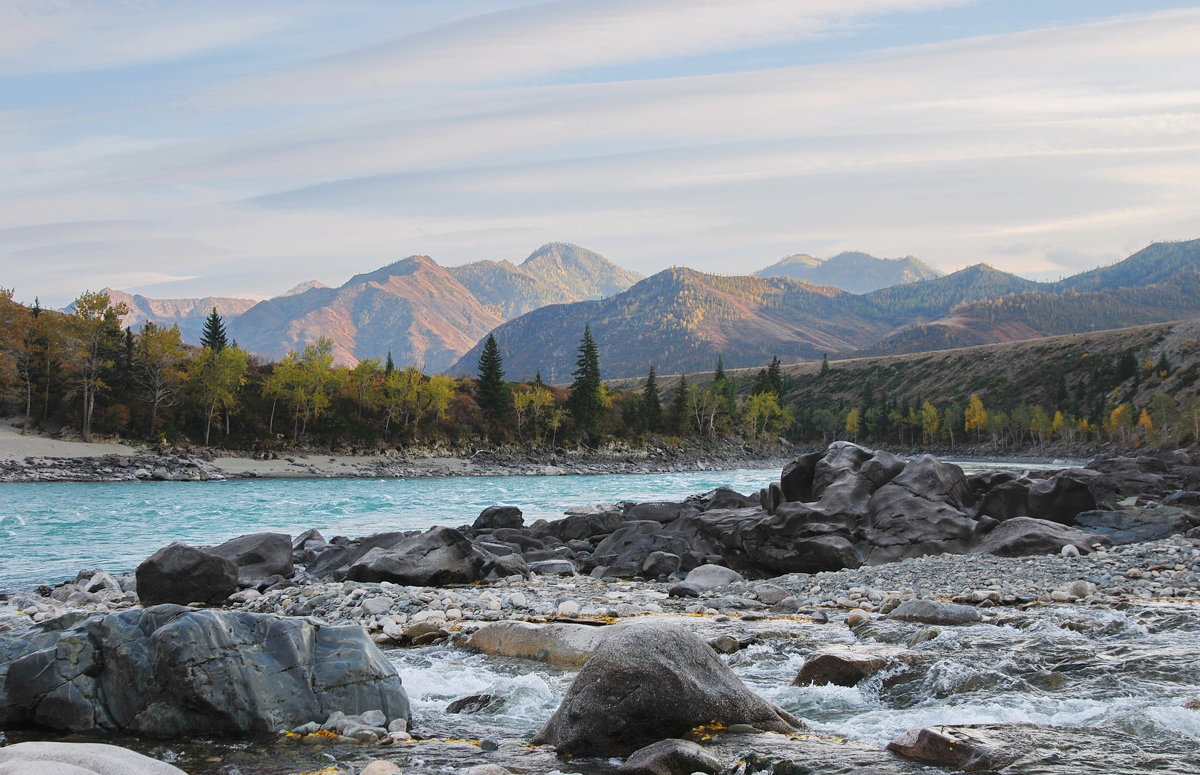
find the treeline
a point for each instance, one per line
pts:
(1128, 399)
(83, 370)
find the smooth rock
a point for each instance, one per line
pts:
(670, 757)
(934, 612)
(182, 574)
(47, 758)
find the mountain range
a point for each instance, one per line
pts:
(680, 319)
(851, 271)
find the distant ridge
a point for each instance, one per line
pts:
(851, 271)
(188, 314)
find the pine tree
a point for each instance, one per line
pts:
(724, 390)
(491, 394)
(824, 364)
(390, 366)
(537, 383)
(775, 377)
(213, 335)
(651, 402)
(587, 391)
(678, 416)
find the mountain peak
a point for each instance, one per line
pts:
(851, 271)
(304, 287)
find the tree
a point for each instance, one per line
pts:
(95, 337)
(158, 359)
(678, 416)
(824, 364)
(853, 422)
(725, 392)
(491, 393)
(975, 416)
(587, 399)
(212, 335)
(929, 421)
(765, 416)
(651, 403)
(215, 376)
(390, 366)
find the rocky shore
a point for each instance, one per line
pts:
(857, 563)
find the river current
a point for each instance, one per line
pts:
(1077, 689)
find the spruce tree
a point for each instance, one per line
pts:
(538, 383)
(723, 389)
(824, 364)
(775, 377)
(679, 413)
(491, 394)
(390, 366)
(213, 335)
(651, 403)
(587, 392)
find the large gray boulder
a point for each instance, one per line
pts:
(1060, 498)
(178, 573)
(670, 757)
(435, 558)
(46, 758)
(652, 681)
(258, 556)
(626, 550)
(1137, 524)
(494, 517)
(1025, 536)
(170, 671)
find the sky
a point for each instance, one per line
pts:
(188, 148)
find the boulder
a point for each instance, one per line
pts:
(724, 498)
(935, 480)
(1006, 500)
(934, 612)
(170, 671)
(706, 577)
(1060, 498)
(579, 525)
(558, 643)
(670, 757)
(258, 556)
(335, 559)
(494, 517)
(46, 758)
(660, 511)
(629, 546)
(796, 482)
(435, 558)
(840, 457)
(647, 682)
(964, 749)
(798, 538)
(1137, 524)
(660, 564)
(1026, 536)
(846, 665)
(183, 574)
(908, 523)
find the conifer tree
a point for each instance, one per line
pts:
(390, 366)
(678, 416)
(651, 402)
(213, 334)
(724, 391)
(587, 391)
(824, 364)
(537, 383)
(491, 394)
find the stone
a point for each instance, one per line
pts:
(258, 556)
(934, 612)
(170, 671)
(46, 758)
(183, 574)
(647, 682)
(796, 481)
(660, 512)
(706, 577)
(380, 767)
(1137, 524)
(486, 769)
(1060, 498)
(846, 665)
(770, 594)
(857, 617)
(569, 608)
(553, 568)
(725, 498)
(557, 643)
(670, 757)
(475, 703)
(494, 517)
(660, 565)
(1025, 536)
(435, 558)
(946, 746)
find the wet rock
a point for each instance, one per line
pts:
(934, 612)
(560, 643)
(475, 703)
(183, 574)
(437, 557)
(1025, 536)
(258, 556)
(1137, 524)
(846, 666)
(46, 758)
(647, 682)
(494, 517)
(947, 746)
(169, 671)
(670, 757)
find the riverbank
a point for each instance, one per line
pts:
(40, 458)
